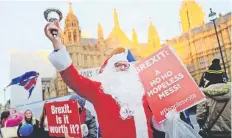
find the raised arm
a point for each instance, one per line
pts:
(63, 63)
(81, 85)
(13, 121)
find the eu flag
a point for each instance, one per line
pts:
(27, 80)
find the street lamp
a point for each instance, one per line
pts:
(43, 91)
(212, 17)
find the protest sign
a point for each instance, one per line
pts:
(167, 83)
(89, 73)
(63, 117)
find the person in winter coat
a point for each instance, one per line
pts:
(214, 114)
(43, 123)
(213, 75)
(7, 121)
(88, 121)
(30, 119)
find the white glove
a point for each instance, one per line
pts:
(156, 125)
(84, 130)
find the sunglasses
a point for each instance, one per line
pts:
(122, 65)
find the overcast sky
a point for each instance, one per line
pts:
(22, 22)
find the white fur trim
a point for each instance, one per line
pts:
(126, 51)
(117, 58)
(140, 122)
(156, 125)
(60, 59)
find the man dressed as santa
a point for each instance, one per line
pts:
(117, 95)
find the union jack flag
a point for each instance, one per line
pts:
(27, 80)
(29, 85)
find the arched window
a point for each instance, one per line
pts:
(69, 37)
(75, 36)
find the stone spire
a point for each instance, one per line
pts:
(116, 22)
(70, 8)
(153, 38)
(117, 37)
(191, 15)
(72, 33)
(135, 41)
(100, 34)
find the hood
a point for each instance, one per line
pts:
(79, 99)
(218, 92)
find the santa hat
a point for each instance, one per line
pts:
(119, 54)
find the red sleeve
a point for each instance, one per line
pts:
(83, 86)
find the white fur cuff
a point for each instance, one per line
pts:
(60, 59)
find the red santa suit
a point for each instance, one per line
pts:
(109, 113)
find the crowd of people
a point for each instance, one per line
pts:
(119, 100)
(29, 127)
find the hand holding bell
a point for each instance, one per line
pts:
(53, 15)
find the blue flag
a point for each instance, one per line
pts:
(27, 80)
(23, 78)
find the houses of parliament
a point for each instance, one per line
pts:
(197, 45)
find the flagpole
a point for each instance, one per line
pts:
(27, 100)
(4, 96)
(24, 105)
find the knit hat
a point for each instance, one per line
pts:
(215, 65)
(79, 99)
(119, 54)
(5, 114)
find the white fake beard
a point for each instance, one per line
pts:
(125, 87)
(127, 90)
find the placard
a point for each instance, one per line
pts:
(63, 117)
(167, 83)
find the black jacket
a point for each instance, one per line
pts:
(36, 131)
(211, 77)
(90, 121)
